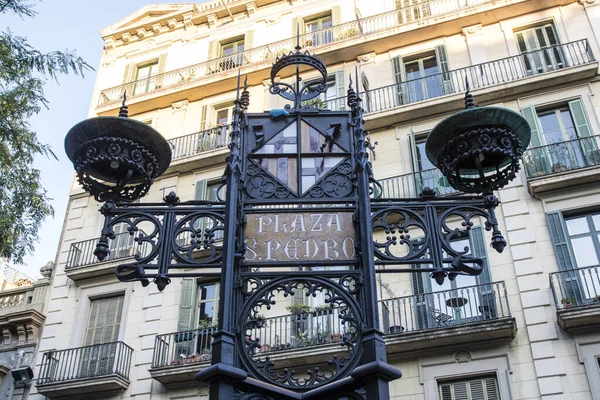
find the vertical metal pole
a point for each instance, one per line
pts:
(374, 373)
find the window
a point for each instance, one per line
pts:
(422, 77)
(207, 304)
(426, 174)
(230, 54)
(334, 97)
(564, 132)
(485, 388)
(460, 300)
(539, 46)
(103, 326)
(317, 32)
(145, 76)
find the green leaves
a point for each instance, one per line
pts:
(24, 203)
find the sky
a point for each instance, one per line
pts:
(60, 25)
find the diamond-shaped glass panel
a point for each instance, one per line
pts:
(285, 142)
(314, 141)
(285, 169)
(314, 168)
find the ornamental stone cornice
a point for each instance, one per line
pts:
(4, 370)
(180, 105)
(367, 58)
(212, 20)
(472, 30)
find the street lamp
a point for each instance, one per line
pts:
(298, 200)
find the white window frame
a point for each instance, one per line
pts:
(449, 370)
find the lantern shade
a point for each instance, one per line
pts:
(477, 118)
(117, 127)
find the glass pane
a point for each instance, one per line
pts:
(550, 127)
(541, 38)
(206, 312)
(551, 36)
(227, 49)
(312, 26)
(240, 47)
(596, 219)
(567, 121)
(422, 160)
(283, 142)
(412, 70)
(430, 66)
(326, 22)
(583, 248)
(208, 292)
(222, 117)
(577, 226)
(521, 43)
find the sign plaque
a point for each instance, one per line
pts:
(299, 236)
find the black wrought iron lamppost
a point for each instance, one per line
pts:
(298, 200)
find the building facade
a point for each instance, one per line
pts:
(526, 328)
(22, 315)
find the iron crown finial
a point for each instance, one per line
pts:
(469, 102)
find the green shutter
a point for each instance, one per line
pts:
(413, 191)
(536, 159)
(441, 56)
(398, 69)
(560, 240)
(340, 91)
(187, 304)
(249, 40)
(530, 116)
(130, 73)
(588, 144)
(336, 18)
(421, 284)
(200, 193)
(478, 249)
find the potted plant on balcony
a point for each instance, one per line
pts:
(323, 309)
(567, 301)
(299, 310)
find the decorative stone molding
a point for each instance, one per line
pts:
(156, 28)
(203, 391)
(150, 43)
(212, 20)
(4, 370)
(172, 23)
(32, 332)
(472, 30)
(366, 58)
(462, 357)
(22, 333)
(180, 105)
(187, 20)
(6, 336)
(142, 33)
(110, 43)
(587, 2)
(126, 37)
(251, 8)
(272, 20)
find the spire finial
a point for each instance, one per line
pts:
(469, 102)
(123, 110)
(351, 93)
(298, 37)
(245, 97)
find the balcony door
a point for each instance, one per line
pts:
(561, 139)
(145, 74)
(316, 30)
(101, 335)
(540, 48)
(231, 56)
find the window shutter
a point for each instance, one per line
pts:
(162, 62)
(340, 90)
(249, 40)
(203, 121)
(130, 73)
(418, 178)
(491, 388)
(200, 193)
(460, 391)
(446, 391)
(537, 161)
(560, 240)
(336, 18)
(530, 116)
(579, 118)
(186, 304)
(398, 69)
(478, 249)
(419, 282)
(441, 56)
(213, 49)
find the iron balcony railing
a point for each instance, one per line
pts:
(123, 246)
(311, 40)
(86, 362)
(445, 308)
(576, 287)
(183, 348)
(411, 185)
(491, 73)
(562, 156)
(199, 142)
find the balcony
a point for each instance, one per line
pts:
(101, 369)
(563, 164)
(82, 263)
(411, 185)
(576, 295)
(418, 22)
(447, 318)
(211, 144)
(178, 356)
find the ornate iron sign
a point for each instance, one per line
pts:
(299, 236)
